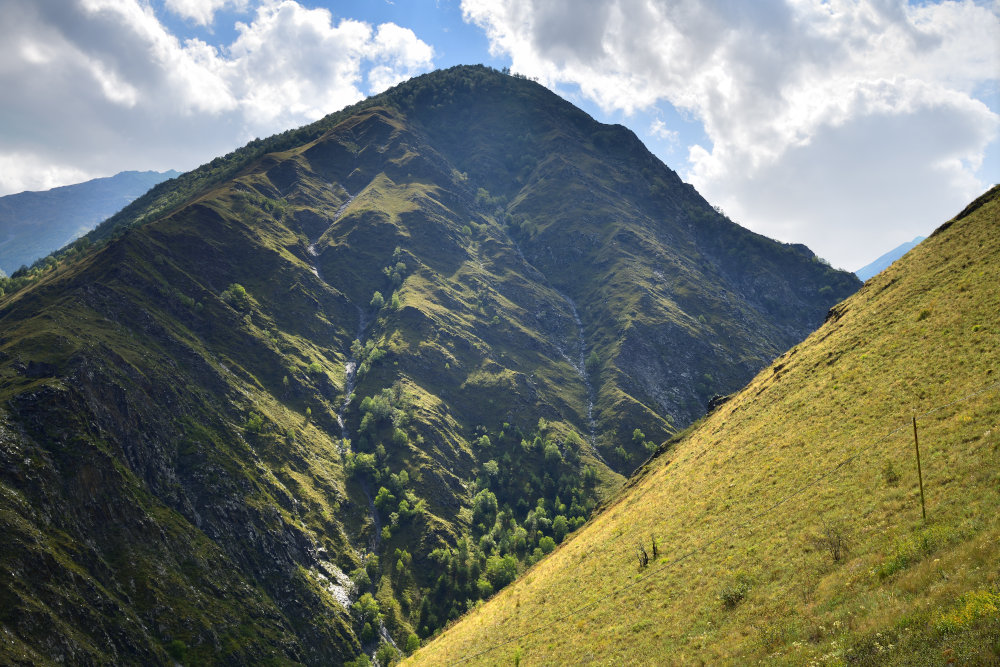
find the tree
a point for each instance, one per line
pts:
(377, 300)
(501, 570)
(236, 296)
(366, 610)
(484, 508)
(384, 500)
(560, 526)
(593, 362)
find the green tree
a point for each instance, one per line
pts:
(377, 300)
(236, 296)
(366, 610)
(560, 526)
(501, 570)
(484, 508)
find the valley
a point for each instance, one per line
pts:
(328, 394)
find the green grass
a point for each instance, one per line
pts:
(137, 361)
(752, 491)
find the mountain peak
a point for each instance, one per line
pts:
(361, 374)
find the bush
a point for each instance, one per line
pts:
(366, 610)
(255, 423)
(733, 592)
(177, 650)
(890, 474)
(386, 655)
(236, 296)
(833, 540)
(547, 544)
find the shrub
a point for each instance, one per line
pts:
(177, 650)
(484, 588)
(236, 296)
(547, 544)
(641, 555)
(255, 423)
(366, 610)
(386, 655)
(360, 578)
(890, 474)
(833, 540)
(734, 591)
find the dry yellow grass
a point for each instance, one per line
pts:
(820, 444)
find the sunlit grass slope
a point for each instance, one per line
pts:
(788, 522)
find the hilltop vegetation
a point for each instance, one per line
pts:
(324, 395)
(787, 522)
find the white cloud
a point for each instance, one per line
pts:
(100, 79)
(659, 129)
(399, 55)
(202, 12)
(783, 84)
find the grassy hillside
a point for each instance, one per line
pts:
(335, 390)
(788, 522)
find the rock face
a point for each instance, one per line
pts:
(415, 342)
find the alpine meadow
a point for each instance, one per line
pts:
(458, 374)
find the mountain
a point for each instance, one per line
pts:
(787, 523)
(880, 264)
(328, 392)
(33, 224)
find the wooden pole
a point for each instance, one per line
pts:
(920, 475)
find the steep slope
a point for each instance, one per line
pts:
(315, 399)
(33, 224)
(788, 522)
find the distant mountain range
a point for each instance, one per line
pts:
(33, 224)
(883, 262)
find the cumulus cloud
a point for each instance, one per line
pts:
(659, 129)
(99, 79)
(833, 120)
(202, 12)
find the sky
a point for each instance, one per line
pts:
(849, 125)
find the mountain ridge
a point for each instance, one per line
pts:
(355, 385)
(794, 531)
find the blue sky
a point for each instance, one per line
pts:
(848, 125)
